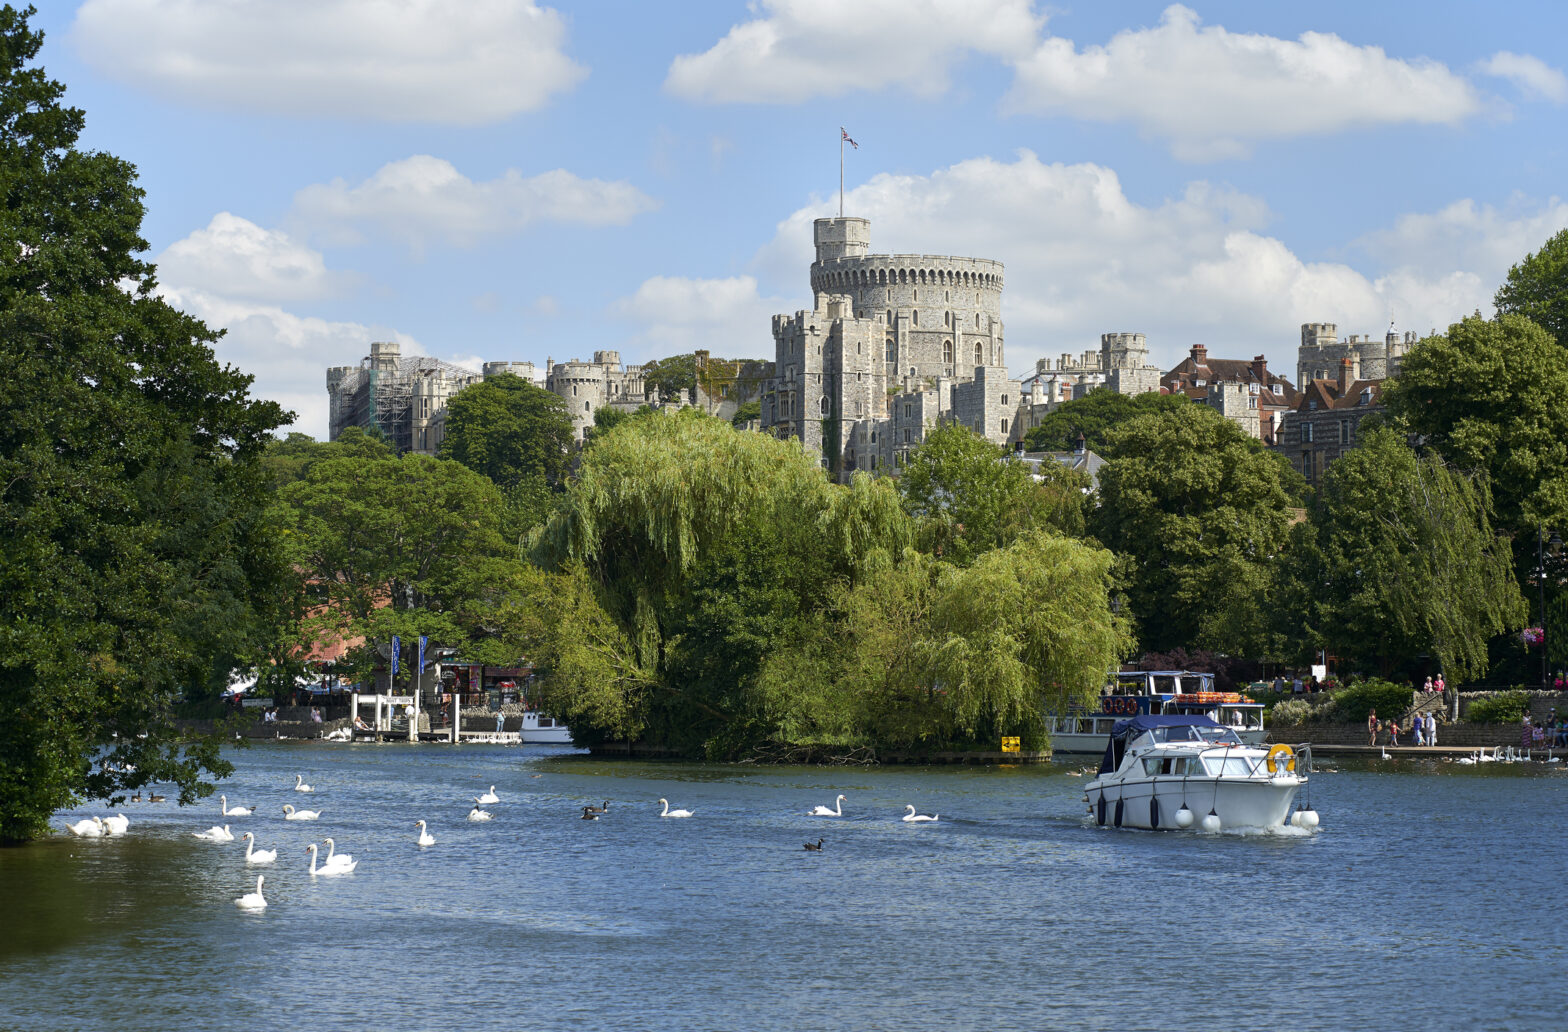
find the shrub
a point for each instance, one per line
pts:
(1289, 713)
(1353, 702)
(1498, 708)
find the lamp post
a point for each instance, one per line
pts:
(1541, 544)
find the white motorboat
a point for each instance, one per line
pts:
(1132, 692)
(539, 729)
(1177, 771)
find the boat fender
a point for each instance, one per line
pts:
(1100, 811)
(1154, 813)
(1281, 757)
(1118, 813)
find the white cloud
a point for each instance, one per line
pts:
(1535, 78)
(403, 61)
(799, 49)
(236, 258)
(421, 198)
(675, 314)
(1082, 258)
(1211, 94)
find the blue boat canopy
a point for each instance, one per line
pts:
(1123, 730)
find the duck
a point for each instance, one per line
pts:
(237, 811)
(814, 848)
(476, 814)
(599, 809)
(590, 813)
(489, 797)
(425, 838)
(257, 856)
(92, 827)
(216, 833)
(823, 811)
(253, 900)
(672, 813)
(299, 784)
(136, 798)
(335, 859)
(116, 825)
(291, 814)
(312, 849)
(915, 818)
(155, 798)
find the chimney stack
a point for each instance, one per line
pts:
(1345, 378)
(1260, 369)
(1200, 354)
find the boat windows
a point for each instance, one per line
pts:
(1228, 766)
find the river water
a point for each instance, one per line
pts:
(1429, 898)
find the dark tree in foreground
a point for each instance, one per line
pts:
(509, 430)
(132, 501)
(1537, 288)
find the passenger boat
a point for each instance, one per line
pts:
(1154, 692)
(539, 729)
(1163, 770)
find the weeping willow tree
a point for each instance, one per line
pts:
(709, 549)
(1408, 562)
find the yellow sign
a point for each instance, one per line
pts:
(1010, 744)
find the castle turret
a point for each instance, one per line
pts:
(841, 238)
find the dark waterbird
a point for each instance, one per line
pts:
(816, 848)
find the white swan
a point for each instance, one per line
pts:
(425, 838)
(291, 814)
(253, 900)
(915, 818)
(238, 811)
(488, 797)
(823, 811)
(215, 833)
(257, 856)
(92, 827)
(333, 859)
(476, 814)
(329, 868)
(299, 784)
(1386, 756)
(116, 825)
(673, 813)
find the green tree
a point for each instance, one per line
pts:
(1410, 564)
(970, 498)
(1096, 415)
(509, 430)
(133, 508)
(1537, 288)
(289, 458)
(746, 412)
(1198, 511)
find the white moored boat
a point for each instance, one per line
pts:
(542, 730)
(1132, 692)
(1179, 771)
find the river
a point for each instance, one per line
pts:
(1428, 899)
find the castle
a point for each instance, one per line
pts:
(1321, 353)
(892, 345)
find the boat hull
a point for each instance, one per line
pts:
(1239, 802)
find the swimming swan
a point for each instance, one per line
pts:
(329, 868)
(914, 818)
(257, 856)
(489, 797)
(425, 838)
(117, 825)
(333, 860)
(299, 784)
(476, 814)
(291, 814)
(215, 834)
(673, 813)
(253, 900)
(823, 811)
(89, 828)
(238, 811)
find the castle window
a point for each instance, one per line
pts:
(587, 406)
(979, 355)
(977, 314)
(574, 390)
(890, 356)
(947, 352)
(873, 462)
(890, 317)
(949, 295)
(1312, 404)
(1004, 427)
(914, 317)
(906, 436)
(917, 294)
(1366, 396)
(1004, 400)
(908, 410)
(1306, 433)
(827, 406)
(873, 437)
(860, 408)
(1344, 431)
(1252, 403)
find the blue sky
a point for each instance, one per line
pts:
(504, 179)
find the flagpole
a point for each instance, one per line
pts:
(841, 173)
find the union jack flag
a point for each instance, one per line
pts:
(844, 133)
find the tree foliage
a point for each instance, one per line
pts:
(1096, 415)
(138, 559)
(1408, 562)
(1537, 288)
(509, 430)
(1199, 512)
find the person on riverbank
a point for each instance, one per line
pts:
(1418, 729)
(1431, 729)
(1438, 685)
(1393, 732)
(500, 721)
(1524, 731)
(1372, 727)
(1427, 687)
